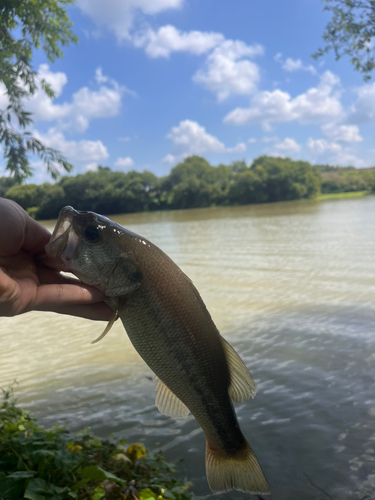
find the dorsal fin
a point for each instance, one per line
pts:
(168, 403)
(242, 386)
(107, 328)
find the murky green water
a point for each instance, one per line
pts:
(292, 287)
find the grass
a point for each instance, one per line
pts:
(55, 464)
(336, 196)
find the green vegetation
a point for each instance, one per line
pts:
(351, 32)
(337, 196)
(192, 183)
(26, 26)
(55, 464)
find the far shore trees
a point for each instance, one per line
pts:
(193, 183)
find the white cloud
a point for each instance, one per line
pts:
(239, 148)
(82, 152)
(86, 103)
(292, 65)
(124, 162)
(343, 133)
(252, 140)
(189, 138)
(333, 153)
(288, 145)
(320, 146)
(228, 71)
(169, 39)
(40, 104)
(315, 105)
(169, 159)
(363, 111)
(118, 15)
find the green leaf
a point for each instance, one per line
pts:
(147, 494)
(168, 494)
(21, 475)
(96, 473)
(97, 494)
(35, 489)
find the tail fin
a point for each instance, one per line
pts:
(239, 472)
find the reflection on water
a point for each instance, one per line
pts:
(292, 287)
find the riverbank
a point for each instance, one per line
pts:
(38, 464)
(339, 196)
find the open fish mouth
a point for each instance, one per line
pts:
(63, 243)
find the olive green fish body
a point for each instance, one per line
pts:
(170, 327)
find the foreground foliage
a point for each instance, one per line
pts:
(351, 32)
(40, 464)
(27, 26)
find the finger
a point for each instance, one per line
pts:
(98, 312)
(48, 276)
(54, 296)
(20, 230)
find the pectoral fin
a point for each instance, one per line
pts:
(107, 328)
(168, 403)
(242, 386)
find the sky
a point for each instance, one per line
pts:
(153, 81)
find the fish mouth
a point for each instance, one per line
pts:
(63, 243)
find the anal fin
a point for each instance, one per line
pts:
(168, 403)
(242, 386)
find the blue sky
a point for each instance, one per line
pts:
(152, 81)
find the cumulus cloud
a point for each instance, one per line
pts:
(170, 159)
(320, 146)
(288, 145)
(118, 15)
(86, 103)
(333, 153)
(363, 110)
(124, 162)
(228, 71)
(189, 138)
(169, 39)
(292, 65)
(84, 152)
(42, 107)
(315, 105)
(342, 133)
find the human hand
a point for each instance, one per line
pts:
(27, 285)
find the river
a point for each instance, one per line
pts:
(292, 287)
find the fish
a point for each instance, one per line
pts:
(197, 370)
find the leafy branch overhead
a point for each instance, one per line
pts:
(25, 26)
(351, 32)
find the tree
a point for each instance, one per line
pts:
(351, 32)
(25, 26)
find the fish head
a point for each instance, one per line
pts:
(96, 250)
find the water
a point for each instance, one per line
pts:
(292, 287)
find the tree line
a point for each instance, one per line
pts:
(193, 183)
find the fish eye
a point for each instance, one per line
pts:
(91, 233)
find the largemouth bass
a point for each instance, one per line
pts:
(170, 327)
